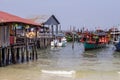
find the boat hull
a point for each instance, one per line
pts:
(117, 47)
(56, 43)
(89, 46)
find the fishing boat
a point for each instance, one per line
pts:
(115, 34)
(59, 42)
(93, 40)
(117, 45)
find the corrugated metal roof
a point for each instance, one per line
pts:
(43, 18)
(6, 17)
(40, 18)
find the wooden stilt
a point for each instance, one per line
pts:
(18, 55)
(27, 54)
(36, 55)
(12, 54)
(38, 44)
(44, 43)
(22, 55)
(3, 57)
(12, 57)
(9, 52)
(0, 57)
(32, 52)
(15, 55)
(7, 56)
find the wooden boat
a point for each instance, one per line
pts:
(94, 40)
(88, 45)
(117, 45)
(115, 34)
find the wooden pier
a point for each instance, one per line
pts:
(43, 41)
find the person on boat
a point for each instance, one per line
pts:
(97, 40)
(84, 39)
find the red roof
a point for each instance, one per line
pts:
(6, 17)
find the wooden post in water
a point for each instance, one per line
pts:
(35, 44)
(18, 54)
(9, 50)
(12, 57)
(36, 55)
(26, 46)
(0, 57)
(73, 36)
(40, 42)
(73, 41)
(15, 55)
(3, 56)
(32, 52)
(22, 54)
(44, 42)
(7, 56)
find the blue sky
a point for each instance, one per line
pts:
(77, 13)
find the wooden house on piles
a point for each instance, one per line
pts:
(11, 49)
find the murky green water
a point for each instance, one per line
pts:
(67, 64)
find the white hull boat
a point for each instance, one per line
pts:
(57, 43)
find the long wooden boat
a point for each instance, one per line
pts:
(94, 40)
(89, 46)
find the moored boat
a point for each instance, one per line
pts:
(59, 42)
(117, 45)
(94, 40)
(88, 45)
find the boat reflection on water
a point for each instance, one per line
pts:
(92, 53)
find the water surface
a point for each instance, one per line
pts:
(58, 63)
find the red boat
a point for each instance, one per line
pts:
(93, 40)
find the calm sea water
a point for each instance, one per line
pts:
(65, 63)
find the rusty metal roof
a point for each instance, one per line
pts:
(6, 18)
(43, 18)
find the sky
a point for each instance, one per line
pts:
(90, 14)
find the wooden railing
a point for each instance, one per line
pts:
(44, 35)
